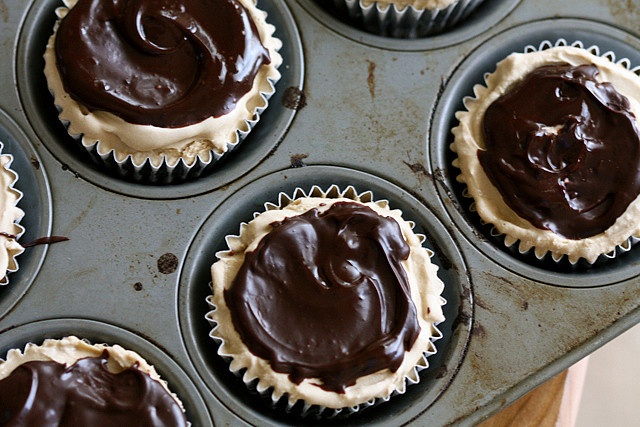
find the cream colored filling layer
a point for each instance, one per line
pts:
(489, 203)
(417, 4)
(426, 289)
(155, 143)
(10, 215)
(70, 349)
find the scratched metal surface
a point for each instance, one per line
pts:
(377, 115)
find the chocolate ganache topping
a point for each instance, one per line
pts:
(162, 63)
(324, 295)
(47, 393)
(563, 150)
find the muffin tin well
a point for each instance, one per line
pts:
(470, 72)
(35, 202)
(487, 14)
(225, 221)
(352, 109)
(264, 138)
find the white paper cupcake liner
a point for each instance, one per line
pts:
(147, 169)
(264, 388)
(11, 245)
(529, 250)
(520, 248)
(408, 22)
(165, 173)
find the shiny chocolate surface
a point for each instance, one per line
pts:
(164, 63)
(47, 393)
(563, 150)
(324, 295)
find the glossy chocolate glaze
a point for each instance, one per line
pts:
(44, 241)
(162, 63)
(39, 241)
(46, 393)
(324, 295)
(8, 235)
(563, 150)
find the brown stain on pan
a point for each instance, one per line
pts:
(167, 263)
(417, 168)
(294, 98)
(4, 11)
(297, 160)
(625, 12)
(440, 180)
(478, 330)
(371, 78)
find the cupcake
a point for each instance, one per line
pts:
(407, 18)
(160, 91)
(69, 382)
(549, 150)
(10, 229)
(327, 299)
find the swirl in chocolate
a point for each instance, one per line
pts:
(161, 63)
(325, 296)
(563, 150)
(46, 393)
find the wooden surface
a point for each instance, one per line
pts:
(553, 404)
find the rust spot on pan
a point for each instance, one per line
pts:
(478, 330)
(371, 79)
(297, 160)
(417, 168)
(167, 263)
(478, 301)
(294, 99)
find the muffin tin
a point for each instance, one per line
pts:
(352, 108)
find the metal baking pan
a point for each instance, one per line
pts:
(351, 109)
